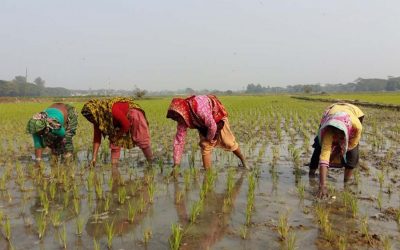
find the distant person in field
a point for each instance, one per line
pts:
(336, 144)
(206, 114)
(54, 128)
(123, 121)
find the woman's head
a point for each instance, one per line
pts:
(179, 111)
(36, 126)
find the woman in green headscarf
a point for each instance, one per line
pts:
(54, 128)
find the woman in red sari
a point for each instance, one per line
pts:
(206, 114)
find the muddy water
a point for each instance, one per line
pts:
(218, 226)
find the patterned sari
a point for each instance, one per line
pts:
(99, 112)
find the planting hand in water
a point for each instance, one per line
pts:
(209, 117)
(123, 121)
(336, 144)
(54, 128)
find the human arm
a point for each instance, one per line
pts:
(354, 140)
(179, 143)
(326, 149)
(96, 142)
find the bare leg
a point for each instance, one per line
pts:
(239, 154)
(206, 161)
(348, 172)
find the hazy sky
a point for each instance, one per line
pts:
(172, 44)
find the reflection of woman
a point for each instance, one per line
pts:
(337, 142)
(54, 128)
(123, 121)
(119, 213)
(213, 220)
(209, 117)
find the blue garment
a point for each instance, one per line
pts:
(57, 115)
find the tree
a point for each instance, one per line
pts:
(139, 93)
(39, 82)
(19, 79)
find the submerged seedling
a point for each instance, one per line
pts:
(79, 225)
(291, 241)
(244, 231)
(151, 189)
(7, 229)
(131, 213)
(42, 225)
(283, 226)
(121, 195)
(301, 190)
(195, 210)
(176, 237)
(110, 234)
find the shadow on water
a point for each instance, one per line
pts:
(212, 223)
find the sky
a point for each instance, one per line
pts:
(213, 44)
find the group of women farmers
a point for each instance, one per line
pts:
(124, 123)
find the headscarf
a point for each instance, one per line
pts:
(180, 107)
(187, 109)
(341, 121)
(41, 121)
(99, 112)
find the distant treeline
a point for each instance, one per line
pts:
(359, 85)
(20, 87)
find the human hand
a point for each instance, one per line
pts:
(92, 163)
(322, 192)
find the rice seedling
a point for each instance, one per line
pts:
(387, 244)
(56, 218)
(365, 228)
(147, 234)
(151, 189)
(342, 243)
(107, 203)
(131, 213)
(7, 229)
(66, 199)
(110, 183)
(379, 201)
(96, 244)
(62, 237)
(301, 190)
(291, 241)
(354, 206)
(99, 190)
(52, 190)
(397, 216)
(77, 206)
(283, 226)
(42, 225)
(79, 225)
(121, 195)
(244, 232)
(141, 205)
(381, 178)
(178, 197)
(195, 210)
(176, 237)
(110, 234)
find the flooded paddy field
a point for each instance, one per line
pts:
(273, 206)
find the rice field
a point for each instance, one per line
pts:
(373, 97)
(273, 206)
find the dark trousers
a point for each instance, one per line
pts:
(352, 156)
